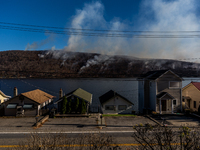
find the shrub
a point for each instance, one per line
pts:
(77, 105)
(69, 106)
(83, 107)
(64, 105)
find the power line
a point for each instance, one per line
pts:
(69, 28)
(99, 33)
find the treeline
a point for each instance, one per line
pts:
(51, 64)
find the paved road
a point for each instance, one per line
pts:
(15, 138)
(15, 130)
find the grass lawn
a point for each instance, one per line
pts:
(118, 115)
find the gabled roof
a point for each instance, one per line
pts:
(82, 94)
(195, 84)
(4, 95)
(163, 94)
(153, 75)
(37, 96)
(79, 93)
(110, 94)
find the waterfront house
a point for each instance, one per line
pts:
(160, 91)
(79, 96)
(112, 102)
(191, 96)
(28, 104)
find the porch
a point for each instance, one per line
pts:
(165, 103)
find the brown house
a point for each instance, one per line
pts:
(28, 103)
(191, 96)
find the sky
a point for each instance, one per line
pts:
(103, 17)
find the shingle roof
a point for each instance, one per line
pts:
(153, 75)
(197, 85)
(110, 94)
(82, 94)
(37, 96)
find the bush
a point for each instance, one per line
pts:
(77, 105)
(166, 138)
(83, 107)
(60, 141)
(64, 105)
(69, 109)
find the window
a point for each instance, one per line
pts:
(122, 107)
(11, 106)
(174, 102)
(174, 84)
(109, 107)
(195, 105)
(28, 106)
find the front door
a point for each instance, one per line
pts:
(188, 103)
(163, 103)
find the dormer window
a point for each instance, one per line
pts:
(174, 84)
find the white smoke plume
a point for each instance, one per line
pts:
(176, 15)
(157, 15)
(96, 60)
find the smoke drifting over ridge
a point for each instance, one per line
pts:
(157, 15)
(175, 15)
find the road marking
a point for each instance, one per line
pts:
(85, 145)
(75, 132)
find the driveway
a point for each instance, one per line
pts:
(177, 120)
(69, 124)
(12, 124)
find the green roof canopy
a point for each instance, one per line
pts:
(82, 94)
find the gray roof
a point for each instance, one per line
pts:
(110, 94)
(153, 75)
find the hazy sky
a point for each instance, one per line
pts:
(109, 15)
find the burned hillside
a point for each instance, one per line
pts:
(59, 64)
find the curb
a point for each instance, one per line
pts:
(41, 121)
(154, 120)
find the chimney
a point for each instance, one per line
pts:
(60, 93)
(15, 92)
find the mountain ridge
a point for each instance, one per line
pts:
(61, 64)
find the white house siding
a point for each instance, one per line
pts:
(152, 95)
(116, 102)
(140, 95)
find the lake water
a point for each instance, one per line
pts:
(127, 87)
